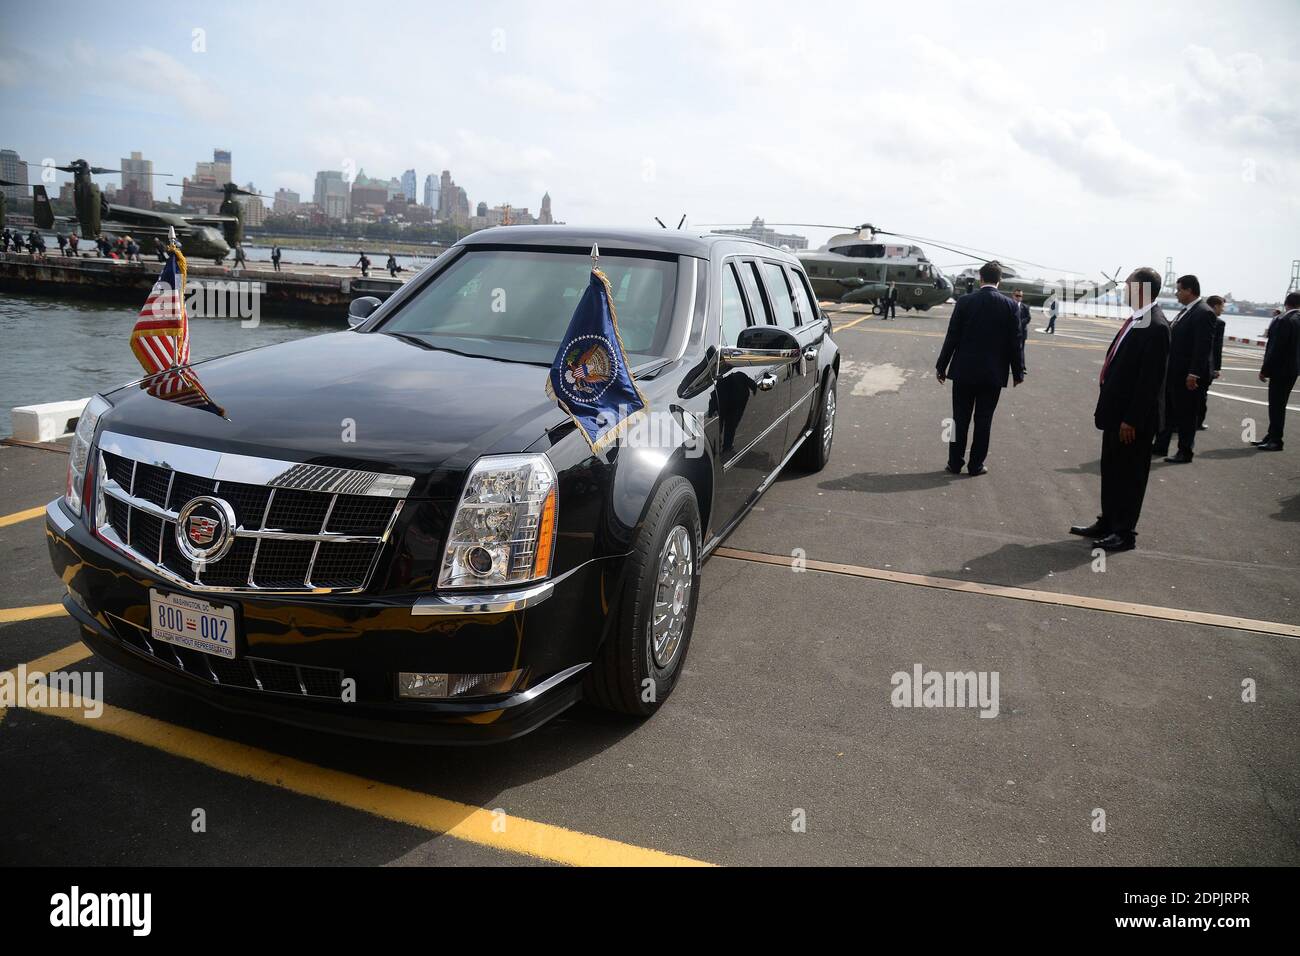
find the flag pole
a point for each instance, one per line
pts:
(595, 256)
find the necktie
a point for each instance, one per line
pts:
(1113, 349)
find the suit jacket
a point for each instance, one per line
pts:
(1282, 353)
(1132, 390)
(891, 295)
(983, 342)
(1024, 331)
(1191, 344)
(1220, 327)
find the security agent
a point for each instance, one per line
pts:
(1023, 314)
(1216, 303)
(1191, 348)
(1128, 413)
(981, 348)
(1280, 369)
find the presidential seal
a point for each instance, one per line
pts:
(589, 367)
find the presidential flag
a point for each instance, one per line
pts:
(590, 378)
(161, 337)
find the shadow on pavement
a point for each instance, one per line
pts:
(888, 484)
(1018, 564)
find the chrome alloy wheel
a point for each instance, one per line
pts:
(672, 603)
(828, 421)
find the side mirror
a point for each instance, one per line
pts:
(360, 309)
(762, 345)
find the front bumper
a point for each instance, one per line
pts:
(552, 632)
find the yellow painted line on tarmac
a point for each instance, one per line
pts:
(17, 516)
(12, 615)
(399, 804)
(55, 661)
(1024, 594)
(849, 325)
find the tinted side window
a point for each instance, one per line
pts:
(782, 300)
(757, 301)
(734, 316)
(807, 313)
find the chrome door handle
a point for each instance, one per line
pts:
(767, 382)
(810, 352)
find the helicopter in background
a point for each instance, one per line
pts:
(198, 236)
(230, 213)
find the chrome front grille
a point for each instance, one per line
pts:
(298, 528)
(249, 673)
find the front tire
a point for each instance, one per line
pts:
(816, 450)
(639, 663)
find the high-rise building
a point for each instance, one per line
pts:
(408, 184)
(331, 195)
(286, 202)
(13, 169)
(431, 192)
(453, 203)
(137, 182)
(544, 217)
(203, 191)
(254, 208)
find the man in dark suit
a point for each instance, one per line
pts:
(1022, 312)
(889, 302)
(1191, 348)
(982, 346)
(1128, 413)
(1280, 368)
(1216, 303)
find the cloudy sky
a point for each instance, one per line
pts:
(1086, 140)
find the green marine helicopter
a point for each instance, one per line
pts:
(231, 211)
(198, 236)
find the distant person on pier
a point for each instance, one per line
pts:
(1216, 303)
(1281, 368)
(72, 245)
(981, 348)
(1128, 413)
(889, 303)
(1053, 310)
(63, 243)
(275, 257)
(364, 263)
(392, 266)
(1191, 357)
(240, 261)
(132, 250)
(1022, 313)
(4, 240)
(160, 248)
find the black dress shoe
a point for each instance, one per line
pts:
(1270, 446)
(1202, 428)
(1182, 458)
(951, 470)
(1094, 530)
(1114, 542)
(983, 470)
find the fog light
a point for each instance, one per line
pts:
(444, 686)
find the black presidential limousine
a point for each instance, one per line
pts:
(391, 531)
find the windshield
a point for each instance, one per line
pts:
(514, 304)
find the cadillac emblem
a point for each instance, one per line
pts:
(205, 529)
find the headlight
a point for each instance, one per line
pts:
(79, 453)
(503, 531)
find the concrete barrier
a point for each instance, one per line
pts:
(46, 422)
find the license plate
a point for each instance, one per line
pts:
(193, 623)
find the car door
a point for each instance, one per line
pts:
(752, 399)
(811, 335)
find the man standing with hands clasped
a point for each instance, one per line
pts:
(1280, 368)
(1128, 413)
(1191, 348)
(982, 346)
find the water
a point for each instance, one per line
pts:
(55, 349)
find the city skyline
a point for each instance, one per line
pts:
(1081, 141)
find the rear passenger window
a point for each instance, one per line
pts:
(757, 301)
(807, 314)
(782, 300)
(734, 317)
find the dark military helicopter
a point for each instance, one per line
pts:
(198, 236)
(231, 211)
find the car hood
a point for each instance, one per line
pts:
(360, 400)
